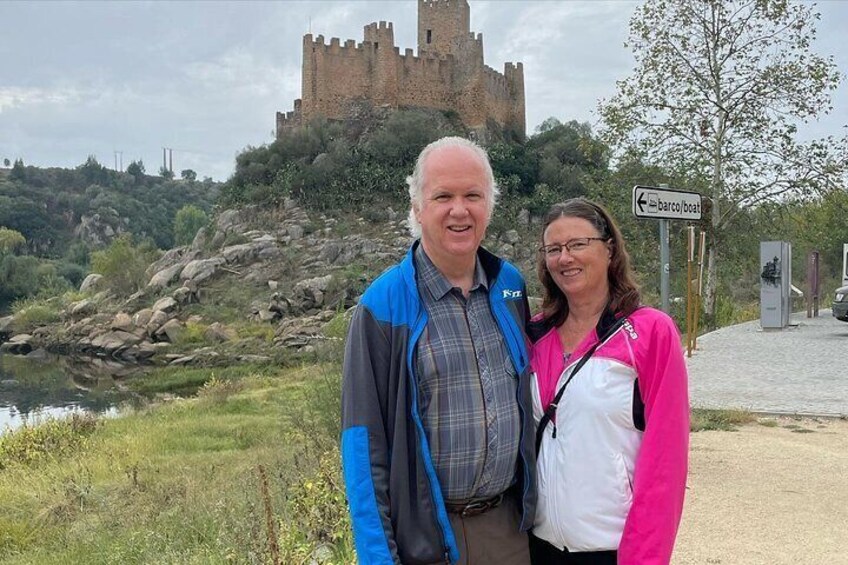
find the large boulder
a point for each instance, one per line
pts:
(183, 295)
(6, 325)
(91, 282)
(20, 344)
(243, 253)
(157, 320)
(84, 307)
(201, 269)
(165, 304)
(219, 332)
(310, 293)
(122, 322)
(166, 276)
(227, 220)
(140, 352)
(171, 331)
(142, 317)
(98, 230)
(113, 341)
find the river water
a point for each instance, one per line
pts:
(34, 389)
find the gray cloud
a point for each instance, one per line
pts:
(206, 78)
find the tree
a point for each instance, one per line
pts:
(93, 172)
(6, 162)
(166, 173)
(136, 169)
(188, 220)
(10, 240)
(188, 174)
(18, 170)
(717, 95)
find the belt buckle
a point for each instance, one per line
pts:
(481, 506)
(474, 508)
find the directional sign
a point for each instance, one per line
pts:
(666, 203)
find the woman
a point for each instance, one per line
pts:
(612, 459)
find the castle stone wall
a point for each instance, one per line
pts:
(448, 73)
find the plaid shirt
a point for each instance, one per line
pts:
(467, 387)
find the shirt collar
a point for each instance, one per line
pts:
(435, 282)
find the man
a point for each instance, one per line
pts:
(437, 440)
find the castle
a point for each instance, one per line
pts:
(447, 74)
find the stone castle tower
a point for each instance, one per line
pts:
(448, 73)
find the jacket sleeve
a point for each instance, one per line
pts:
(365, 449)
(659, 481)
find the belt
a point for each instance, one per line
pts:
(474, 507)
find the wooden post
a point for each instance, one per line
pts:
(701, 250)
(689, 293)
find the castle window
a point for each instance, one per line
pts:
(376, 45)
(429, 36)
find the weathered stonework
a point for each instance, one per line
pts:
(447, 74)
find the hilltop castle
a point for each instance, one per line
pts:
(447, 74)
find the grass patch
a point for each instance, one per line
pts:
(52, 438)
(768, 423)
(192, 335)
(32, 313)
(262, 332)
(720, 420)
(186, 381)
(246, 472)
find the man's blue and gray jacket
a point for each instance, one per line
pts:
(396, 504)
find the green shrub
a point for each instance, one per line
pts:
(123, 264)
(318, 516)
(192, 334)
(219, 390)
(188, 220)
(32, 313)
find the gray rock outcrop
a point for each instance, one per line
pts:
(91, 283)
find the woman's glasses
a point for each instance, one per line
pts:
(572, 246)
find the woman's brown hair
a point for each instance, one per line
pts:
(624, 292)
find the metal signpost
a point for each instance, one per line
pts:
(663, 203)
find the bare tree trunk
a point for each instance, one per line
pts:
(710, 286)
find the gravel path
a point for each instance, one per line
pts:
(801, 369)
(772, 495)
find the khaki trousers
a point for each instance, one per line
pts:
(492, 538)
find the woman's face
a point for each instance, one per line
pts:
(581, 271)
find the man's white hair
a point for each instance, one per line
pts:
(416, 180)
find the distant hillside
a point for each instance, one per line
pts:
(54, 208)
(64, 215)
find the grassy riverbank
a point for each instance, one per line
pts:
(246, 471)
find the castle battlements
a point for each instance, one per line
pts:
(448, 73)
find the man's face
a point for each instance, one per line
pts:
(454, 213)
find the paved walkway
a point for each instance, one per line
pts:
(801, 369)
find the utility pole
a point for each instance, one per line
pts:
(168, 159)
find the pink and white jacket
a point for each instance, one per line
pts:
(613, 461)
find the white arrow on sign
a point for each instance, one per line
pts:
(666, 203)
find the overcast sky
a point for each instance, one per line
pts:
(206, 78)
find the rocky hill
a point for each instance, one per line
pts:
(260, 285)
